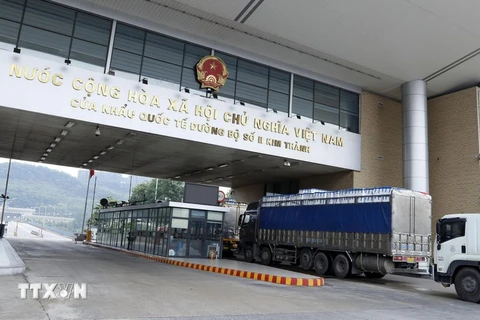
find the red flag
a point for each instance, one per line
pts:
(92, 172)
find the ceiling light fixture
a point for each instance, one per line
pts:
(52, 145)
(45, 154)
(49, 150)
(69, 124)
(208, 181)
(229, 177)
(177, 177)
(209, 169)
(111, 147)
(97, 132)
(57, 139)
(42, 158)
(103, 152)
(96, 157)
(223, 165)
(64, 132)
(84, 164)
(90, 161)
(119, 142)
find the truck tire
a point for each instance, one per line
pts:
(248, 254)
(373, 275)
(341, 266)
(266, 256)
(306, 259)
(467, 284)
(321, 263)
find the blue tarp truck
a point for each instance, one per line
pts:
(374, 231)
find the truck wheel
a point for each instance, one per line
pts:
(341, 266)
(266, 256)
(321, 263)
(248, 254)
(467, 284)
(373, 275)
(306, 259)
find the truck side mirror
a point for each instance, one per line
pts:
(439, 246)
(240, 218)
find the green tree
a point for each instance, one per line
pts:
(149, 191)
(93, 220)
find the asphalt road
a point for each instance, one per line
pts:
(24, 231)
(121, 286)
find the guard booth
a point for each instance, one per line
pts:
(169, 229)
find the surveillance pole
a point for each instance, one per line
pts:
(5, 196)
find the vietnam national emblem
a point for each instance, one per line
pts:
(212, 72)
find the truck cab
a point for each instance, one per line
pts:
(247, 224)
(457, 254)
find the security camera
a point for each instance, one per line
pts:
(97, 132)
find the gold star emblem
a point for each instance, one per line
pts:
(213, 66)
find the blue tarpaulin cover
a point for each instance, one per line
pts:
(358, 217)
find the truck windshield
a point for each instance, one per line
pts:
(450, 229)
(248, 218)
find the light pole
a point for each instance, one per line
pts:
(5, 194)
(5, 198)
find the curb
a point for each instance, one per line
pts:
(301, 282)
(16, 264)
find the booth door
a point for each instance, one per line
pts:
(196, 246)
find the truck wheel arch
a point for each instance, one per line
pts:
(458, 265)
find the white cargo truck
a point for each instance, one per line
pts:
(457, 254)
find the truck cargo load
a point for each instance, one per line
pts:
(373, 230)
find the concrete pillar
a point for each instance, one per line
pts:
(415, 136)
